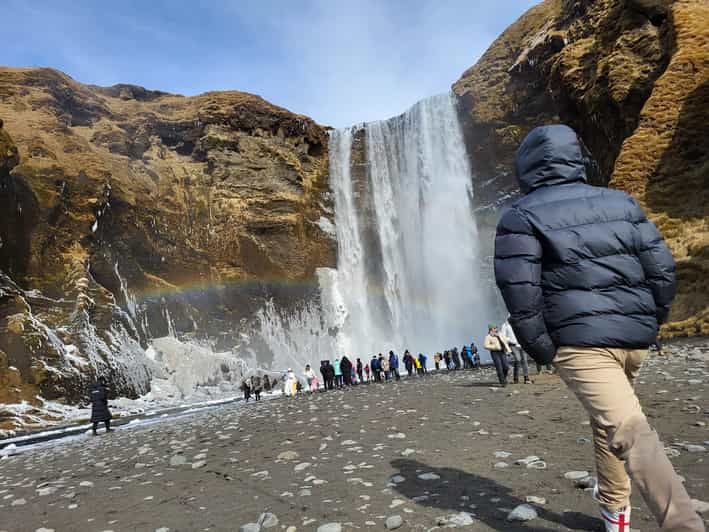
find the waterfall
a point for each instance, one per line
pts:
(407, 270)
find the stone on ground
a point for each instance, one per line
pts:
(523, 512)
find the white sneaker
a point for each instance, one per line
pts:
(614, 521)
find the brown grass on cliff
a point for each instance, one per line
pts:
(665, 163)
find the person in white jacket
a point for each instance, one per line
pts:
(497, 345)
(520, 357)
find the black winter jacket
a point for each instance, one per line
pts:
(99, 403)
(578, 265)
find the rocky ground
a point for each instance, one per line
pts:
(445, 450)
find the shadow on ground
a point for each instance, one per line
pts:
(445, 494)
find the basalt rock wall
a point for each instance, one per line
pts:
(129, 214)
(632, 77)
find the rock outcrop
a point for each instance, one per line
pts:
(128, 213)
(632, 77)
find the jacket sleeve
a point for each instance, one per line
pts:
(658, 265)
(518, 272)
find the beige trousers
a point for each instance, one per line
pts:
(625, 444)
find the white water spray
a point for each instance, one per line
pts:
(408, 268)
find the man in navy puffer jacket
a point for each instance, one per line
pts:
(587, 280)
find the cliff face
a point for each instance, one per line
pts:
(632, 77)
(128, 213)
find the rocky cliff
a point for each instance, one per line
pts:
(632, 77)
(129, 213)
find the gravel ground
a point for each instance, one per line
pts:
(421, 454)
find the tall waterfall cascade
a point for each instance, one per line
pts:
(408, 269)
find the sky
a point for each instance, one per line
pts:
(338, 61)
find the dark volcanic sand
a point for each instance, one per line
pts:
(452, 425)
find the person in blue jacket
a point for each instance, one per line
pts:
(422, 359)
(338, 373)
(588, 280)
(394, 365)
(376, 369)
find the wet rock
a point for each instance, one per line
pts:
(459, 519)
(393, 522)
(428, 476)
(268, 520)
(330, 527)
(523, 512)
(527, 460)
(538, 464)
(397, 479)
(288, 455)
(691, 448)
(576, 475)
(178, 460)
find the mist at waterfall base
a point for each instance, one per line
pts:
(408, 271)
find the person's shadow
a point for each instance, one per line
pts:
(446, 494)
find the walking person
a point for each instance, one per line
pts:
(476, 355)
(346, 368)
(99, 406)
(394, 365)
(360, 370)
(325, 372)
(384, 364)
(588, 280)
(497, 347)
(520, 357)
(338, 373)
(246, 389)
(311, 379)
(456, 358)
(256, 387)
(376, 369)
(408, 362)
(422, 362)
(417, 364)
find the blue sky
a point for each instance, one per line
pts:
(338, 61)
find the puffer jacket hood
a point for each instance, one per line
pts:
(550, 155)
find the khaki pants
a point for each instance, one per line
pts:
(625, 444)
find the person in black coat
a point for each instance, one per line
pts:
(99, 405)
(588, 279)
(360, 371)
(346, 368)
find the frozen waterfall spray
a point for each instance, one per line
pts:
(408, 270)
